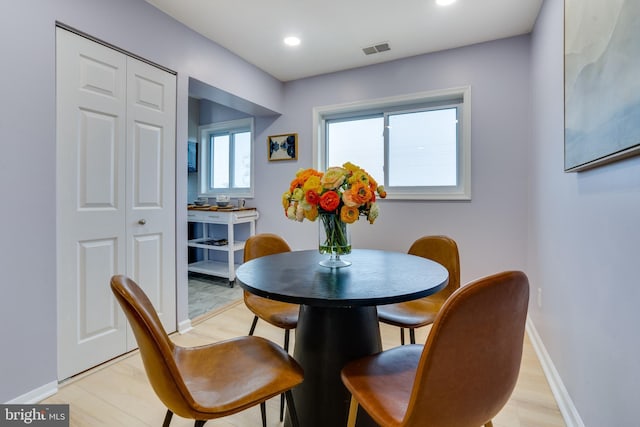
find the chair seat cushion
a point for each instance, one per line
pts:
(281, 314)
(384, 382)
(229, 376)
(411, 314)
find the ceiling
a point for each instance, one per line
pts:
(334, 32)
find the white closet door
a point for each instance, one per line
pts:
(96, 233)
(151, 181)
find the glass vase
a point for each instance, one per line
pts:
(334, 239)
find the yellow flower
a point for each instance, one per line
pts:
(333, 178)
(349, 214)
(359, 176)
(298, 194)
(351, 167)
(312, 184)
(285, 199)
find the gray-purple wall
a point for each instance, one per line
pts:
(490, 229)
(583, 251)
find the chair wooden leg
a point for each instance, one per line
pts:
(263, 413)
(286, 348)
(412, 335)
(353, 412)
(401, 336)
(489, 424)
(253, 325)
(199, 423)
(167, 418)
(292, 409)
(281, 407)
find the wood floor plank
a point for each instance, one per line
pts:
(119, 394)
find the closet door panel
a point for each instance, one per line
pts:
(151, 186)
(147, 166)
(96, 259)
(98, 164)
(91, 101)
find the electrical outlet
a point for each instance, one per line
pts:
(539, 297)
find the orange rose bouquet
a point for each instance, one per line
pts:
(339, 196)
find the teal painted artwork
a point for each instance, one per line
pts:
(602, 81)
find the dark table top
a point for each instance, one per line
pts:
(374, 278)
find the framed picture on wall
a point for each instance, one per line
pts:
(282, 147)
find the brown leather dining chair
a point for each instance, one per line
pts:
(421, 312)
(463, 375)
(209, 381)
(280, 314)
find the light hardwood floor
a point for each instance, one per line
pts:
(118, 393)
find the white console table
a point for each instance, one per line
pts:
(207, 241)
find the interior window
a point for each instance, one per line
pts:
(227, 158)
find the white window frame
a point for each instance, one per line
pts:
(446, 97)
(204, 168)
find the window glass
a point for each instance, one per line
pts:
(423, 148)
(360, 138)
(242, 160)
(220, 161)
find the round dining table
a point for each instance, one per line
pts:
(338, 320)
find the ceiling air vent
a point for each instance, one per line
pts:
(370, 50)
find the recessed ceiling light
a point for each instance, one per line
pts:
(291, 41)
(445, 2)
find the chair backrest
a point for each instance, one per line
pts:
(471, 360)
(442, 250)
(156, 349)
(264, 244)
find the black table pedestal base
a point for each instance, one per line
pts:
(326, 339)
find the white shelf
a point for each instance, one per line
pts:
(212, 268)
(238, 245)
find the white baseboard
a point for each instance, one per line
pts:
(35, 396)
(185, 326)
(567, 408)
(39, 394)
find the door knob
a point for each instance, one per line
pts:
(142, 221)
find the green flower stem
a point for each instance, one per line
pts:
(336, 237)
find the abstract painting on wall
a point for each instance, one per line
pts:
(601, 82)
(283, 147)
